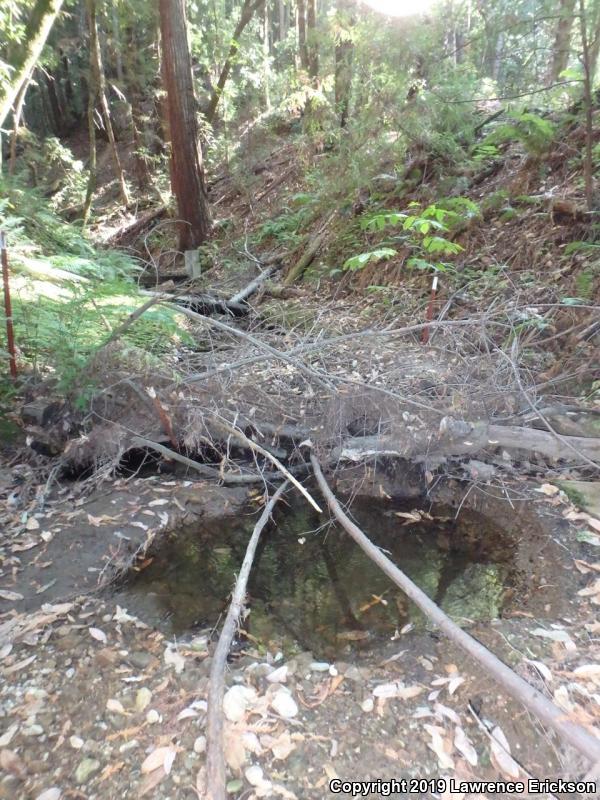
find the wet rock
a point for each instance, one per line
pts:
(139, 659)
(9, 787)
(85, 770)
(106, 657)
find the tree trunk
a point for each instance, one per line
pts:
(266, 54)
(588, 103)
(282, 30)
(302, 48)
(562, 40)
(97, 78)
(37, 30)
(91, 110)
(19, 103)
(187, 173)
(117, 42)
(344, 56)
(248, 9)
(311, 39)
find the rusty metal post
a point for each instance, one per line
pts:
(10, 334)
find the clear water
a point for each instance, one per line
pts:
(312, 588)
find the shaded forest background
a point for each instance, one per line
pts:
(354, 147)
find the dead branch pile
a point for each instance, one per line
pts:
(237, 405)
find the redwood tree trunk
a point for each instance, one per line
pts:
(187, 174)
(302, 48)
(311, 39)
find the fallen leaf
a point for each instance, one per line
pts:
(19, 665)
(158, 758)
(282, 746)
(161, 502)
(98, 635)
(440, 746)
(501, 757)
(397, 690)
(173, 658)
(50, 794)
(589, 672)
(464, 746)
(8, 734)
(5, 594)
(32, 524)
(151, 781)
(556, 636)
(541, 668)
(454, 684)
(548, 489)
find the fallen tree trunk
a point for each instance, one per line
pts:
(211, 472)
(253, 286)
(201, 303)
(519, 689)
(458, 438)
(306, 259)
(133, 229)
(215, 757)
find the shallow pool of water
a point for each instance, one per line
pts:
(312, 588)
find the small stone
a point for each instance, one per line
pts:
(131, 745)
(284, 704)
(320, 666)
(140, 659)
(76, 743)
(85, 770)
(152, 717)
(200, 745)
(199, 644)
(106, 657)
(33, 730)
(353, 673)
(234, 786)
(367, 705)
(143, 698)
(9, 787)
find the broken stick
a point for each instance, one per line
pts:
(215, 758)
(549, 714)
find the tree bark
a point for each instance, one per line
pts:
(344, 56)
(588, 103)
(19, 103)
(248, 9)
(37, 30)
(311, 39)
(562, 40)
(187, 172)
(97, 78)
(302, 48)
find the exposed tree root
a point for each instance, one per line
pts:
(570, 732)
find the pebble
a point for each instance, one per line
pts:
(200, 745)
(284, 704)
(76, 743)
(143, 698)
(85, 770)
(9, 787)
(320, 666)
(140, 659)
(152, 717)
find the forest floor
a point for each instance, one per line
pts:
(103, 699)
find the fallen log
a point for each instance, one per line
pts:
(215, 757)
(306, 259)
(548, 713)
(133, 229)
(254, 285)
(210, 472)
(201, 303)
(456, 438)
